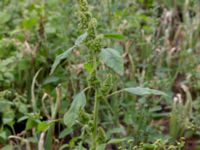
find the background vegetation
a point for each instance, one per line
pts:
(105, 91)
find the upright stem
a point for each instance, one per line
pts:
(96, 107)
(93, 42)
(96, 111)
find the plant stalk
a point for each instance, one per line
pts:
(96, 108)
(96, 112)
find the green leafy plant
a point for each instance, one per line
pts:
(95, 54)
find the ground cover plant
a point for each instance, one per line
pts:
(99, 74)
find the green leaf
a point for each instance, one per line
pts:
(28, 23)
(51, 79)
(61, 57)
(22, 118)
(4, 17)
(31, 124)
(50, 29)
(101, 147)
(65, 132)
(7, 147)
(117, 141)
(64, 55)
(80, 147)
(115, 130)
(45, 125)
(72, 114)
(149, 146)
(112, 59)
(3, 135)
(80, 39)
(155, 108)
(42, 126)
(114, 36)
(49, 139)
(143, 91)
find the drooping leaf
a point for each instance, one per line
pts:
(143, 91)
(51, 79)
(65, 54)
(112, 59)
(114, 36)
(81, 38)
(72, 114)
(61, 57)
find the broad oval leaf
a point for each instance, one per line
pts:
(143, 91)
(72, 114)
(112, 59)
